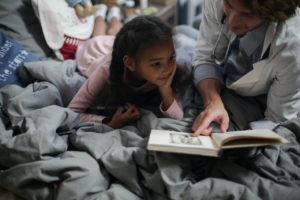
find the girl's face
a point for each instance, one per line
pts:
(154, 64)
(240, 19)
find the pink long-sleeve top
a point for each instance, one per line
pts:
(93, 59)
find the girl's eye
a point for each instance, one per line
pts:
(156, 64)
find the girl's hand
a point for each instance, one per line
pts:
(124, 115)
(166, 91)
(169, 81)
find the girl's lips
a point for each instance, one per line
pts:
(163, 78)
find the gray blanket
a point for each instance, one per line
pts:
(46, 152)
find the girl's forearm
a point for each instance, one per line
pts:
(167, 96)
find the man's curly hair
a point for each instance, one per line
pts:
(274, 10)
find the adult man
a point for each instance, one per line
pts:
(252, 48)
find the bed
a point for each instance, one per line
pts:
(46, 152)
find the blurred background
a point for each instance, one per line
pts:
(189, 12)
(174, 12)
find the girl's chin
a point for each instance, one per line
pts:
(159, 82)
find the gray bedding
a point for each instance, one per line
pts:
(46, 152)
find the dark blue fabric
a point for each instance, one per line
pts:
(12, 56)
(237, 63)
(229, 65)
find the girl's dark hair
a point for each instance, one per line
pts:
(136, 35)
(273, 10)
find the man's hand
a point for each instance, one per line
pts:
(214, 112)
(214, 108)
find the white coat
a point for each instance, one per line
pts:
(278, 75)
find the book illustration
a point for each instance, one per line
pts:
(178, 138)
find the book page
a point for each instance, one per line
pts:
(247, 138)
(180, 142)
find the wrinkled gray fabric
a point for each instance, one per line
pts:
(60, 73)
(46, 152)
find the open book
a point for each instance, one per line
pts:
(180, 142)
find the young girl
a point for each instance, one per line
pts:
(135, 72)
